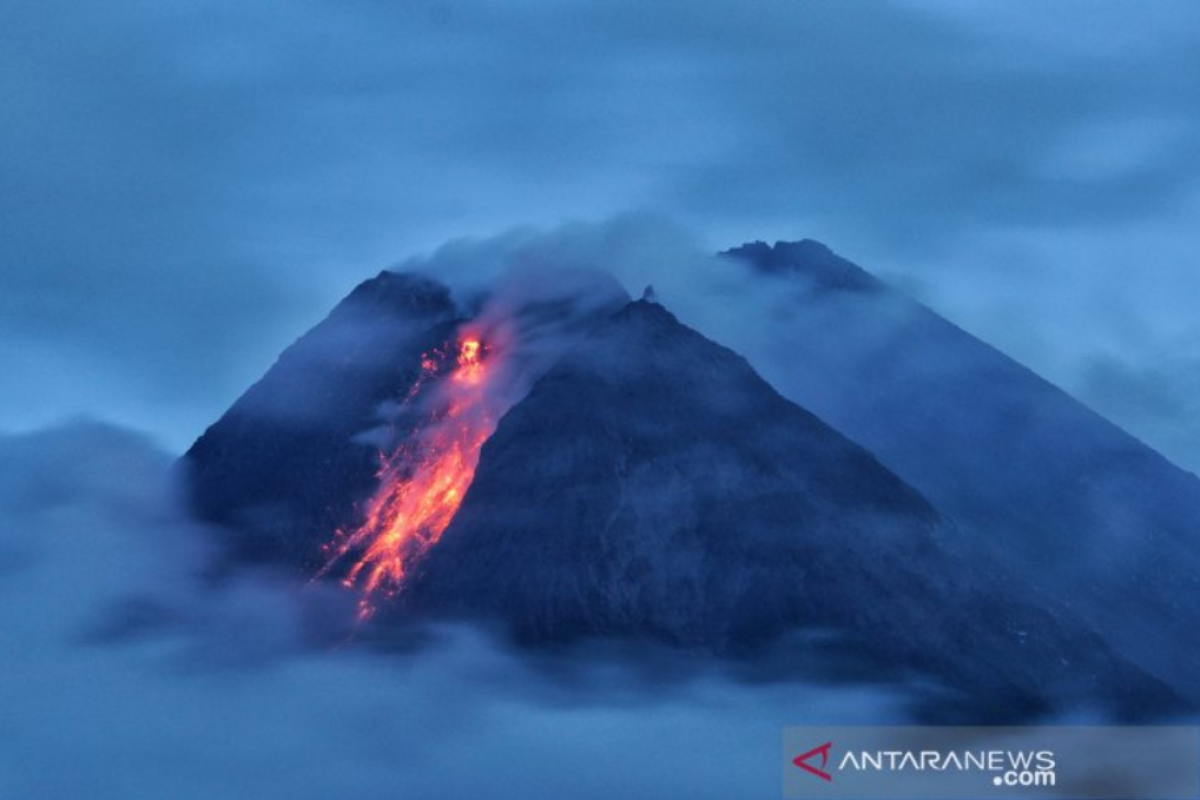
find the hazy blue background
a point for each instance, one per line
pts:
(184, 187)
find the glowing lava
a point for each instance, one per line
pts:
(422, 482)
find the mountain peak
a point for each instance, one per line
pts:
(807, 258)
(647, 310)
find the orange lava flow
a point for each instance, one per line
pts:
(422, 483)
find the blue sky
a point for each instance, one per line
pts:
(184, 188)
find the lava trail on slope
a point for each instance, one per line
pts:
(422, 481)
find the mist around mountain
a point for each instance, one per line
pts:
(130, 672)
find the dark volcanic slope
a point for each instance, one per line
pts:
(281, 468)
(1076, 507)
(652, 481)
(653, 485)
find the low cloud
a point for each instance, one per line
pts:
(130, 673)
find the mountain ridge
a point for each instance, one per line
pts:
(1082, 510)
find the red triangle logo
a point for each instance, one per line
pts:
(801, 761)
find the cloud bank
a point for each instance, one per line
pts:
(129, 673)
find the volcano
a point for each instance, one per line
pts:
(571, 466)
